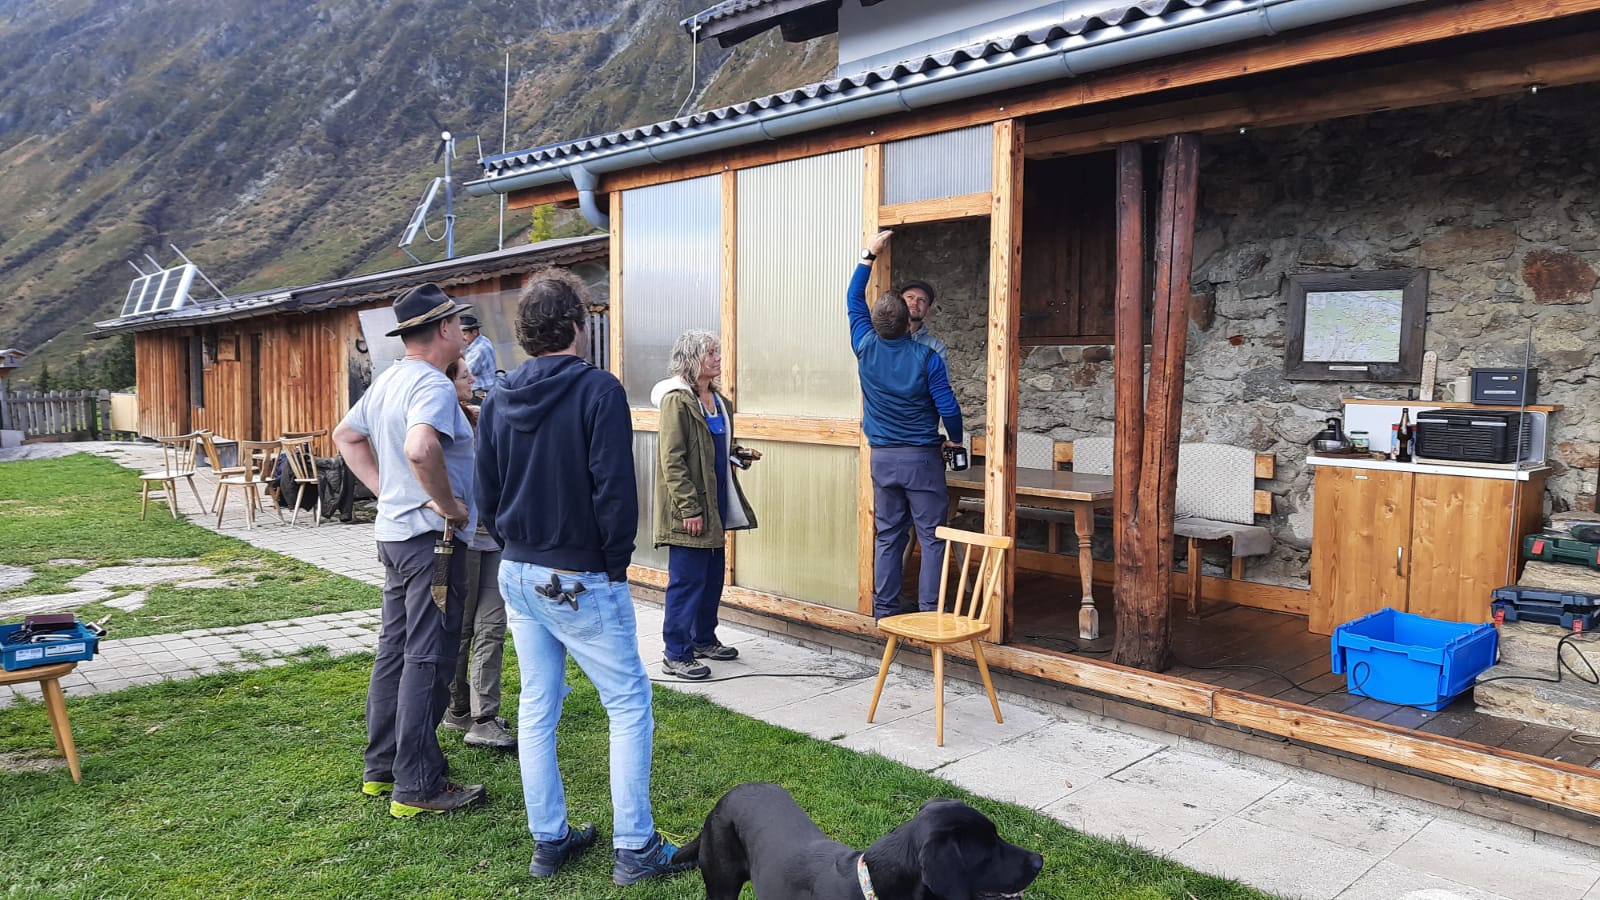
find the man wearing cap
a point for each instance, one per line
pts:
(408, 440)
(919, 302)
(480, 356)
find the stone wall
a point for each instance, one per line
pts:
(1499, 199)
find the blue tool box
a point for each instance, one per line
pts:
(74, 644)
(1411, 660)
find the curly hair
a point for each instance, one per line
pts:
(688, 352)
(550, 311)
(891, 318)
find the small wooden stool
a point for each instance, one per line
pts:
(55, 703)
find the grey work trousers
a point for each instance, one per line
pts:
(475, 689)
(908, 490)
(411, 673)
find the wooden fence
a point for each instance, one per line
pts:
(40, 413)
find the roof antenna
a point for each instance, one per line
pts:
(694, 62)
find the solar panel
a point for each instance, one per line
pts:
(160, 292)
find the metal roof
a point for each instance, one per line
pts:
(1153, 28)
(360, 289)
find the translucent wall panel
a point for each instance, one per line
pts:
(799, 240)
(671, 274)
(644, 471)
(948, 164)
(805, 501)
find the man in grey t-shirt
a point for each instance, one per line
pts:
(408, 440)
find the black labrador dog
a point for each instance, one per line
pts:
(948, 851)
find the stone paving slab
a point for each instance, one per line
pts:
(1220, 811)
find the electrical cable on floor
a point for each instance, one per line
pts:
(843, 678)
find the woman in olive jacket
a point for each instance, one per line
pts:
(698, 501)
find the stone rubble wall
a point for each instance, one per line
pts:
(1499, 199)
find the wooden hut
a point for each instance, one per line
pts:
(257, 366)
(1121, 201)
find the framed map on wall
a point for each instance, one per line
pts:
(1357, 326)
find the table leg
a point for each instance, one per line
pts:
(1088, 616)
(55, 705)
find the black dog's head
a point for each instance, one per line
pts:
(962, 856)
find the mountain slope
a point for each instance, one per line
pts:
(281, 142)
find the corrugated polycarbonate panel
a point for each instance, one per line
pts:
(644, 472)
(948, 164)
(671, 274)
(799, 239)
(804, 496)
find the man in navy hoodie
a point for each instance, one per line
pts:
(555, 487)
(905, 391)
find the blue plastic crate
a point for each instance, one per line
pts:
(79, 645)
(1413, 660)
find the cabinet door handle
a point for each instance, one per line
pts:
(1399, 554)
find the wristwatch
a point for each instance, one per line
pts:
(868, 255)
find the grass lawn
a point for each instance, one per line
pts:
(245, 784)
(85, 510)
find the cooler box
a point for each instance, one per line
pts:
(75, 645)
(1413, 660)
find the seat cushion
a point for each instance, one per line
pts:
(1248, 540)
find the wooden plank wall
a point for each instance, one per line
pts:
(162, 383)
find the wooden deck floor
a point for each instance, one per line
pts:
(1271, 654)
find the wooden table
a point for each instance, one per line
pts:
(55, 704)
(1079, 493)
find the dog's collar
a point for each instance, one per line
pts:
(864, 878)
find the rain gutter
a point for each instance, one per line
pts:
(1070, 56)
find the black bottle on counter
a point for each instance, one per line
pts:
(1405, 436)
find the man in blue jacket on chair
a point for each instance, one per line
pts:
(905, 392)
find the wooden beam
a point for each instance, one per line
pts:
(649, 419)
(1262, 505)
(730, 328)
(942, 209)
(1407, 28)
(1266, 465)
(866, 524)
(1005, 316)
(1143, 613)
(614, 315)
(798, 429)
(1127, 376)
(1549, 780)
(1551, 63)
(560, 192)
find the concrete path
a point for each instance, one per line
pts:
(1276, 827)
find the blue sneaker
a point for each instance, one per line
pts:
(653, 860)
(550, 856)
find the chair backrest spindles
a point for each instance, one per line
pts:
(975, 590)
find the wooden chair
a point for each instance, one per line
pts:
(960, 620)
(208, 443)
(257, 460)
(303, 466)
(1034, 451)
(177, 463)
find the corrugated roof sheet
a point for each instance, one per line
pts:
(921, 68)
(359, 289)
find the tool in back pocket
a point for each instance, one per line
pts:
(557, 593)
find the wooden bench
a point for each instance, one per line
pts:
(1217, 499)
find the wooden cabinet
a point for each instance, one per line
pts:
(1430, 544)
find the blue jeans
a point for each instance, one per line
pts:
(602, 636)
(694, 592)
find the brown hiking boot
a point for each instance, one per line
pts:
(448, 798)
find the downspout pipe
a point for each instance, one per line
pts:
(587, 182)
(1137, 41)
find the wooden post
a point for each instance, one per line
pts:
(1128, 380)
(1144, 545)
(1005, 312)
(866, 527)
(730, 321)
(615, 288)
